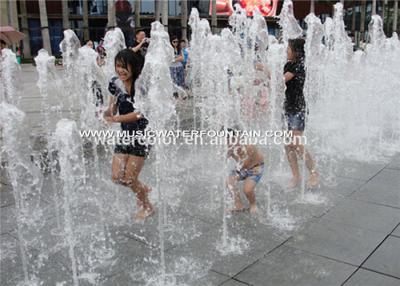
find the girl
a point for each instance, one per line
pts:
(129, 158)
(295, 108)
(177, 70)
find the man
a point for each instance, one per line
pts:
(141, 44)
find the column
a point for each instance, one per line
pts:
(44, 26)
(13, 14)
(362, 20)
(214, 21)
(111, 13)
(85, 11)
(396, 14)
(164, 14)
(25, 29)
(373, 7)
(353, 18)
(4, 19)
(65, 13)
(158, 10)
(184, 19)
(137, 13)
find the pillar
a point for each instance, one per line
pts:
(44, 24)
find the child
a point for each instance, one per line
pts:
(128, 159)
(295, 109)
(249, 168)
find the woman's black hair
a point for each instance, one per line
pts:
(297, 46)
(128, 58)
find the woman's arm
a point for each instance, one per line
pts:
(263, 68)
(127, 118)
(112, 108)
(179, 58)
(288, 76)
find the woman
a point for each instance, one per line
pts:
(90, 44)
(295, 109)
(129, 158)
(176, 68)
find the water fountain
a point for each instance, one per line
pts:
(346, 121)
(10, 71)
(157, 104)
(26, 181)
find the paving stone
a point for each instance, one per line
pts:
(6, 195)
(241, 250)
(343, 186)
(47, 269)
(287, 266)
(368, 278)
(179, 230)
(8, 219)
(359, 170)
(395, 162)
(364, 215)
(337, 241)
(233, 282)
(383, 189)
(386, 259)
(9, 258)
(132, 277)
(48, 274)
(396, 232)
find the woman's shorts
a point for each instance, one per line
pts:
(135, 149)
(295, 121)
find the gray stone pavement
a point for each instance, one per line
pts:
(349, 236)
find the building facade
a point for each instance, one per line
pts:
(43, 21)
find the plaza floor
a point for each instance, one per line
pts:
(345, 233)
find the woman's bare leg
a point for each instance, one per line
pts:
(310, 163)
(118, 168)
(133, 168)
(294, 167)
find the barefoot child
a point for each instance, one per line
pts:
(128, 158)
(295, 110)
(249, 168)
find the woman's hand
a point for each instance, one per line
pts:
(110, 119)
(106, 113)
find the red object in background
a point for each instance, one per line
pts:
(266, 7)
(224, 7)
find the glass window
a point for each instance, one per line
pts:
(97, 7)
(148, 7)
(75, 7)
(56, 35)
(174, 7)
(35, 36)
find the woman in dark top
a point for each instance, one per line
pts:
(177, 70)
(129, 158)
(295, 110)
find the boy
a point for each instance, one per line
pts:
(249, 168)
